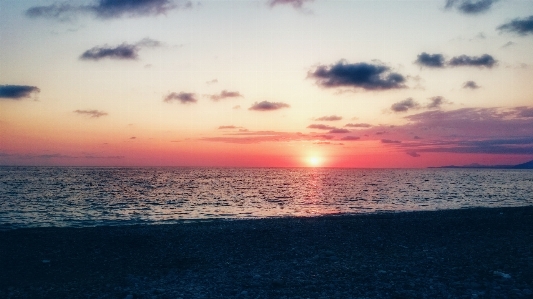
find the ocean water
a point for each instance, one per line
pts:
(83, 196)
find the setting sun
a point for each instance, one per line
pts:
(314, 161)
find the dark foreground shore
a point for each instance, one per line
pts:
(475, 253)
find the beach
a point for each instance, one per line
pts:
(468, 253)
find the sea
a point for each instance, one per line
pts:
(88, 196)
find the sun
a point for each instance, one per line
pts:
(314, 161)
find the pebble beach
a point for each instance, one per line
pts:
(468, 253)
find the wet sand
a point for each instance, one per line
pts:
(472, 253)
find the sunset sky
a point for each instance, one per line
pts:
(282, 83)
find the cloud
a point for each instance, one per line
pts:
(519, 26)
(357, 75)
(236, 107)
(525, 112)
(339, 131)
(436, 102)
(471, 7)
(430, 60)
(294, 3)
(124, 51)
(321, 127)
(106, 9)
(390, 141)
(225, 94)
(17, 92)
(359, 125)
(91, 113)
(412, 154)
(350, 138)
(329, 118)
(228, 127)
(211, 82)
(255, 137)
(182, 97)
(484, 60)
(404, 105)
(508, 44)
(470, 85)
(268, 106)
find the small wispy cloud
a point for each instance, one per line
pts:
(329, 118)
(519, 26)
(405, 105)
(182, 97)
(124, 51)
(358, 125)
(471, 7)
(350, 138)
(106, 9)
(436, 102)
(17, 92)
(470, 85)
(268, 106)
(321, 127)
(339, 131)
(390, 141)
(91, 113)
(228, 127)
(293, 3)
(225, 94)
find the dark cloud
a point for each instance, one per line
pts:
(91, 113)
(17, 92)
(106, 9)
(436, 102)
(329, 118)
(268, 106)
(525, 112)
(404, 105)
(390, 141)
(225, 94)
(520, 26)
(124, 51)
(470, 6)
(320, 127)
(413, 154)
(484, 60)
(359, 125)
(430, 60)
(470, 85)
(357, 75)
(59, 11)
(182, 97)
(339, 131)
(294, 3)
(350, 138)
(109, 9)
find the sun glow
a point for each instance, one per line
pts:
(314, 161)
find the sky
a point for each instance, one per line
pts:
(266, 83)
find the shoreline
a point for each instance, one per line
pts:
(466, 253)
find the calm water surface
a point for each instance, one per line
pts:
(64, 196)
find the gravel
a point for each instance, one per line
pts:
(471, 253)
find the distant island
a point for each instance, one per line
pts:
(527, 165)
